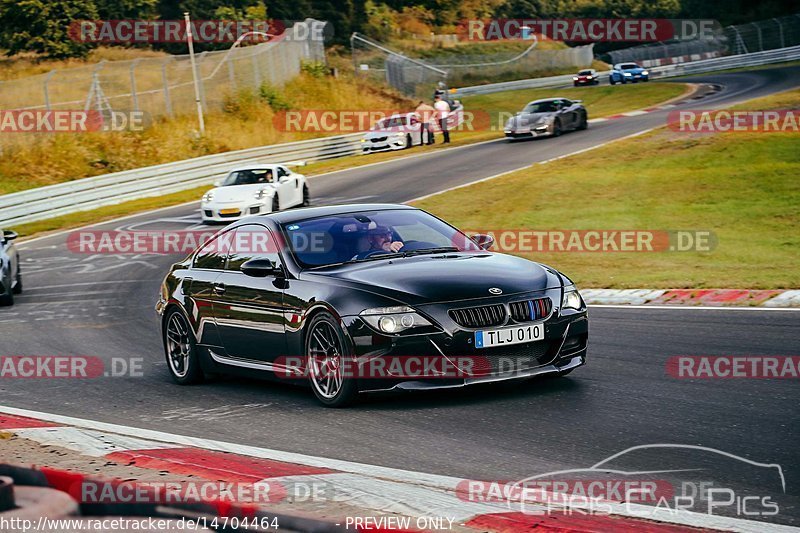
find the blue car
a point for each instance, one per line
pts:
(628, 72)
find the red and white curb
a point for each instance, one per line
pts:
(694, 297)
(367, 488)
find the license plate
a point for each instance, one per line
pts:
(506, 336)
(229, 211)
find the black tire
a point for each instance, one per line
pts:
(18, 286)
(180, 349)
(584, 123)
(7, 299)
(611, 80)
(557, 128)
(276, 204)
(409, 142)
(324, 330)
(306, 196)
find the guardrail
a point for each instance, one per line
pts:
(779, 55)
(89, 193)
(84, 194)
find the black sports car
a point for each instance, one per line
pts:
(370, 297)
(10, 277)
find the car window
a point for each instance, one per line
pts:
(584, 73)
(628, 66)
(251, 241)
(248, 177)
(282, 172)
(212, 254)
(332, 239)
(547, 106)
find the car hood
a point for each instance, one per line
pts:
(238, 193)
(523, 118)
(384, 133)
(453, 276)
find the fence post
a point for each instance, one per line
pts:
(780, 31)
(760, 39)
(202, 81)
(46, 89)
(134, 96)
(231, 77)
(165, 81)
(256, 70)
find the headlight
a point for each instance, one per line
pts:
(575, 78)
(588, 77)
(645, 73)
(572, 299)
(510, 123)
(207, 197)
(393, 320)
(398, 135)
(263, 193)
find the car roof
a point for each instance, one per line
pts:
(255, 166)
(304, 213)
(547, 100)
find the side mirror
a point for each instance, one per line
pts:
(484, 242)
(9, 235)
(259, 268)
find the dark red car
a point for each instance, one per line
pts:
(586, 77)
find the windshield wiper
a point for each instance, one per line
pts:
(393, 255)
(437, 250)
(376, 257)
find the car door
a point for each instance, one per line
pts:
(288, 188)
(571, 113)
(199, 287)
(249, 310)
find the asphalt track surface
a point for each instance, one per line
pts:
(102, 305)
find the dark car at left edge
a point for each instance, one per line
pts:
(10, 275)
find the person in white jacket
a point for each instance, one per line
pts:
(442, 111)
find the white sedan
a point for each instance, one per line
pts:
(396, 132)
(254, 190)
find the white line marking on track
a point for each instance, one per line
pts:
(419, 479)
(693, 307)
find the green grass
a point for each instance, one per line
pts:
(741, 186)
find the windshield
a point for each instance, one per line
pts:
(249, 177)
(629, 66)
(541, 107)
(391, 122)
(585, 73)
(371, 235)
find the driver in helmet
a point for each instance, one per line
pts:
(381, 238)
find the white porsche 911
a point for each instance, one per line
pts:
(254, 190)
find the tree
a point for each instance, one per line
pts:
(43, 26)
(126, 9)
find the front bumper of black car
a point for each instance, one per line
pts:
(563, 348)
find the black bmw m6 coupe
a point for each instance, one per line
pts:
(371, 297)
